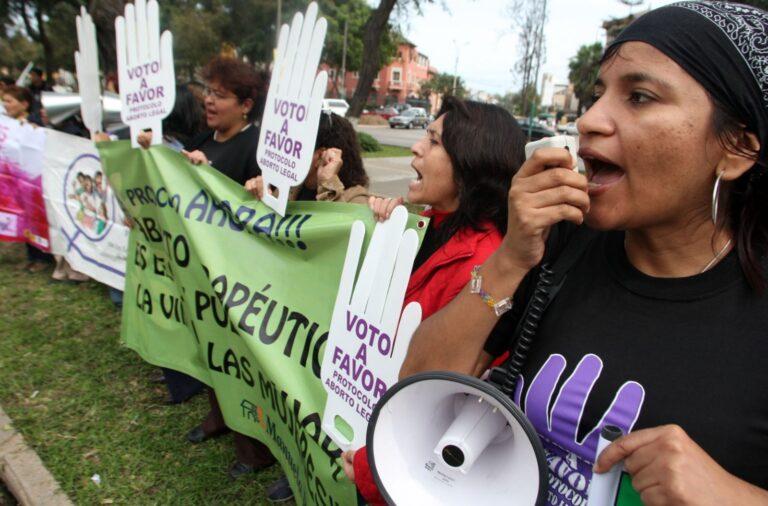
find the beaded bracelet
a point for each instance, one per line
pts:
(476, 286)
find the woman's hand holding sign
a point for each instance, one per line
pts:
(292, 111)
(369, 337)
(669, 468)
(145, 69)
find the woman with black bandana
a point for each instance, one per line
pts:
(661, 327)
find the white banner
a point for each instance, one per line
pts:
(86, 222)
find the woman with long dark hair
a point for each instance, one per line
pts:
(464, 165)
(660, 327)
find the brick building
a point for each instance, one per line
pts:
(396, 83)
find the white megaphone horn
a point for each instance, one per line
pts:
(443, 438)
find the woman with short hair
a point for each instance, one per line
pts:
(232, 91)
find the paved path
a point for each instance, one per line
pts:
(393, 136)
(389, 176)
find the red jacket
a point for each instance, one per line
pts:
(434, 285)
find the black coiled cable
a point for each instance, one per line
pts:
(528, 327)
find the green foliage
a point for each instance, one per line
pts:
(517, 104)
(196, 38)
(200, 29)
(442, 84)
(389, 152)
(367, 143)
(356, 13)
(62, 35)
(16, 51)
(584, 68)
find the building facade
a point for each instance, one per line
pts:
(396, 83)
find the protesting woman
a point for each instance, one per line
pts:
(661, 325)
(463, 168)
(232, 89)
(337, 173)
(17, 102)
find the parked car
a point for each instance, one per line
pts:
(386, 112)
(537, 131)
(336, 105)
(413, 117)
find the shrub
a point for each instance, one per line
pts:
(368, 143)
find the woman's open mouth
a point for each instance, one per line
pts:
(601, 172)
(415, 183)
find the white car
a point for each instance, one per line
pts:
(336, 105)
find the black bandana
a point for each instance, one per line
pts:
(723, 46)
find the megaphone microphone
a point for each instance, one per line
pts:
(603, 487)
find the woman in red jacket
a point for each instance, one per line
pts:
(464, 166)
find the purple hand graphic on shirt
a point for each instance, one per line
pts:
(570, 460)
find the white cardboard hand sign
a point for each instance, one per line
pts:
(369, 337)
(145, 70)
(292, 112)
(87, 67)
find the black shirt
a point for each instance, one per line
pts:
(235, 157)
(617, 346)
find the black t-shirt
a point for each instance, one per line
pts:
(619, 347)
(235, 157)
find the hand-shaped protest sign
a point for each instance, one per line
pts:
(87, 67)
(145, 69)
(369, 337)
(292, 113)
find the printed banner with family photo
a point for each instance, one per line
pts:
(87, 226)
(22, 210)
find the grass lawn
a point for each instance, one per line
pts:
(388, 151)
(86, 405)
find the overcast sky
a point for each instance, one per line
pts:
(486, 44)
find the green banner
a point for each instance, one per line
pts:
(222, 288)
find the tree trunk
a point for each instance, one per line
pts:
(104, 13)
(47, 47)
(373, 30)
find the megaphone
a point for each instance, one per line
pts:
(443, 438)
